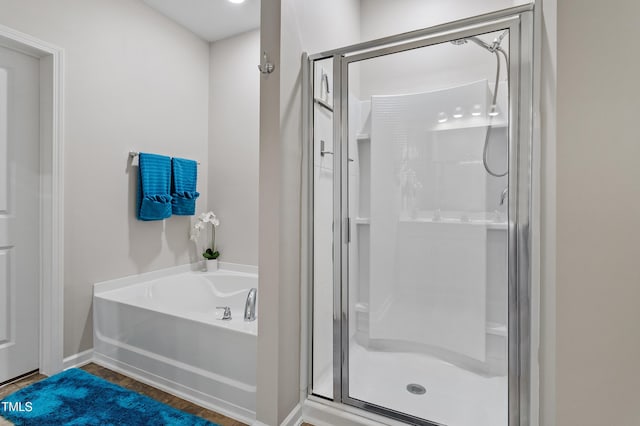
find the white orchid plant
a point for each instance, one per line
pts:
(204, 219)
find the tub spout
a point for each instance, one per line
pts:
(504, 195)
(250, 305)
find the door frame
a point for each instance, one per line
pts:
(523, 214)
(51, 286)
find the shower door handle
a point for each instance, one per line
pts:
(323, 152)
(348, 229)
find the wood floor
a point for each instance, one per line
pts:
(134, 385)
(22, 383)
(16, 386)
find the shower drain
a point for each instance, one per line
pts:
(416, 389)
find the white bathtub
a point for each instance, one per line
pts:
(163, 328)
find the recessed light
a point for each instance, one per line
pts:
(236, 1)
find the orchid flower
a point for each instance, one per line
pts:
(208, 217)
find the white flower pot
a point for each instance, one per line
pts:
(212, 265)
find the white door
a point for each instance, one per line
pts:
(19, 213)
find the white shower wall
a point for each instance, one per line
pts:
(425, 271)
(415, 283)
(453, 184)
(422, 282)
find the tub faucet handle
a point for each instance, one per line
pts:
(226, 315)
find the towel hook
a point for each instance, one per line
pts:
(266, 67)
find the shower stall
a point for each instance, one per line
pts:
(419, 190)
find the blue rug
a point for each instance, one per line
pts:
(75, 397)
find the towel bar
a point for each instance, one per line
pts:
(134, 154)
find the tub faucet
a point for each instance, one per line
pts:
(250, 305)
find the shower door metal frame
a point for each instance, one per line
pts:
(519, 21)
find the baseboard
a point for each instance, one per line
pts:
(198, 398)
(323, 413)
(294, 418)
(85, 357)
(78, 360)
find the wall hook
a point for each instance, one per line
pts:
(266, 67)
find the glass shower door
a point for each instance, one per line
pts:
(425, 184)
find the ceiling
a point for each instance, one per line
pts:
(211, 19)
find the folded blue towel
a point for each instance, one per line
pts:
(183, 186)
(154, 184)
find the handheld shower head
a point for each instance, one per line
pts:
(459, 42)
(498, 40)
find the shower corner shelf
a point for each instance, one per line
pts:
(362, 307)
(473, 125)
(492, 226)
(498, 226)
(361, 220)
(363, 137)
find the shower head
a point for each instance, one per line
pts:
(476, 40)
(495, 45)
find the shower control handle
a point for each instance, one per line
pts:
(323, 152)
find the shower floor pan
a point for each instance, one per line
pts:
(454, 396)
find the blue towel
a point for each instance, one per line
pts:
(154, 184)
(183, 186)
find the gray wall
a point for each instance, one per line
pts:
(382, 18)
(598, 206)
(289, 27)
(134, 81)
(234, 109)
(269, 346)
(547, 41)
